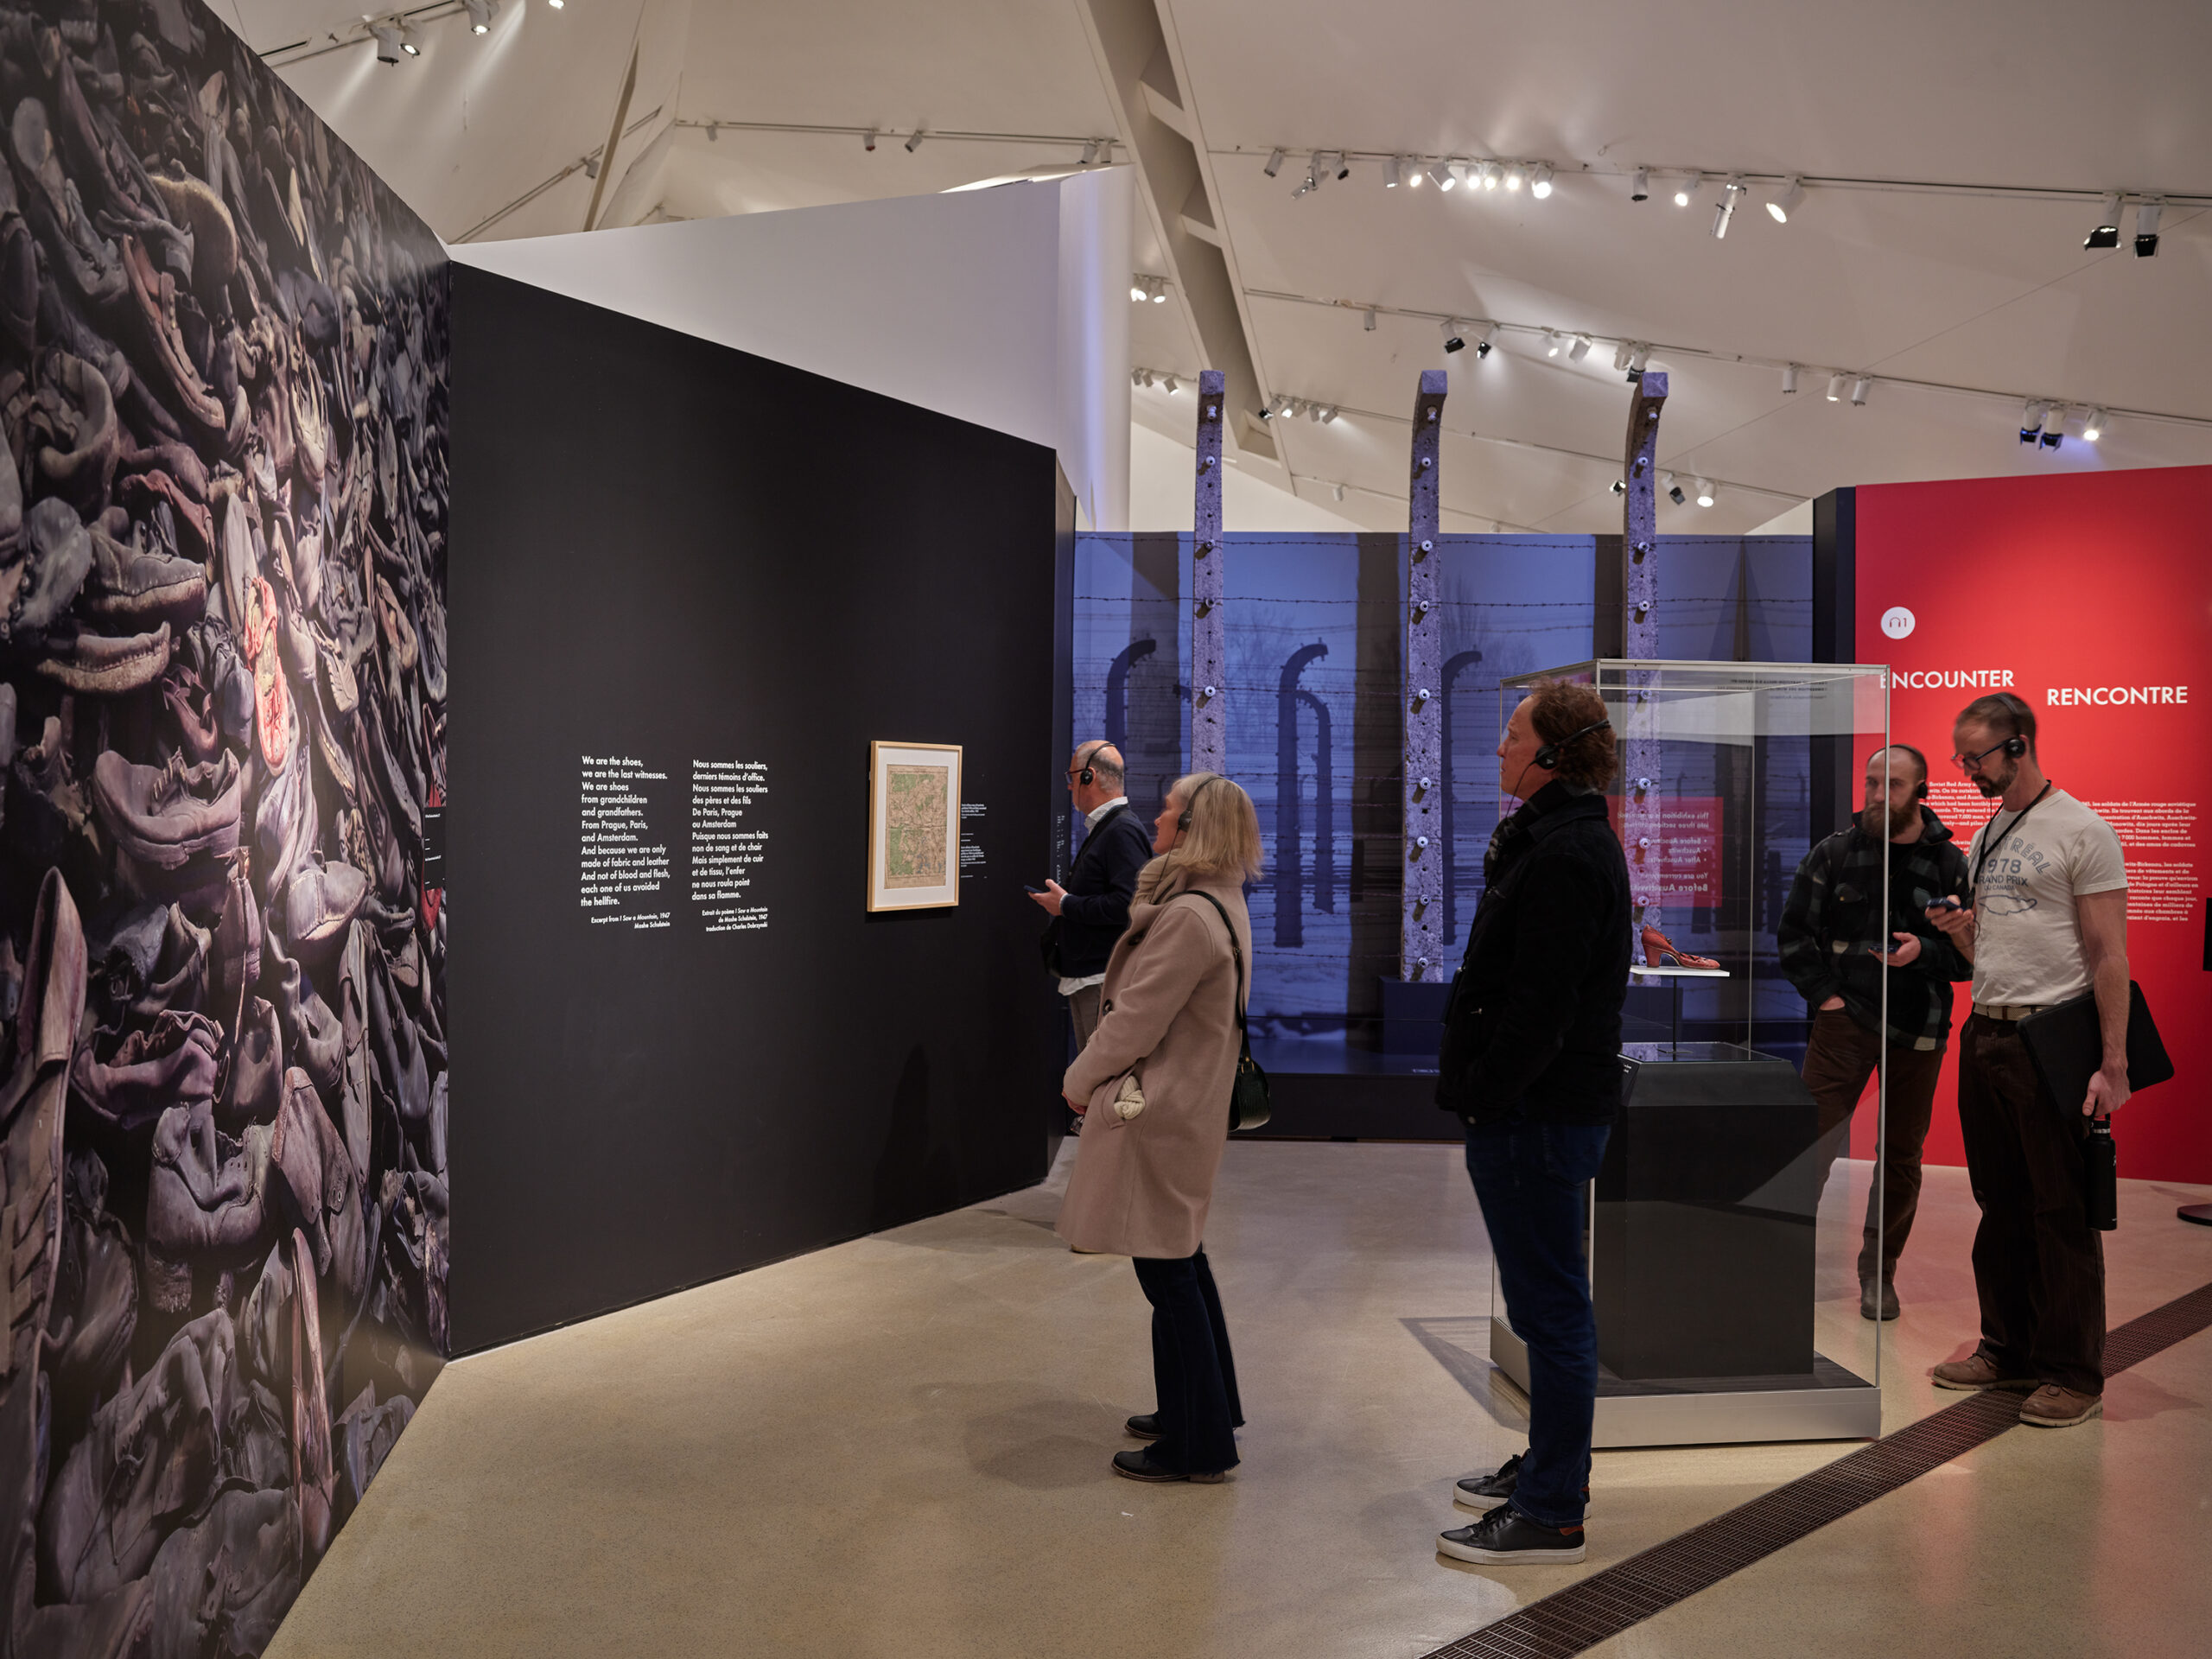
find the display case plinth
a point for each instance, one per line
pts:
(1830, 1404)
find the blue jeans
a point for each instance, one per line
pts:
(1531, 1179)
(1193, 1375)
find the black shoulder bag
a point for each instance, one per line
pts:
(1249, 1107)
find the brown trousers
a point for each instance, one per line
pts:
(2038, 1266)
(1839, 1059)
(1083, 1010)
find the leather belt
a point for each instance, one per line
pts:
(2008, 1010)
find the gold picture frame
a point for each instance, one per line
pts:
(913, 825)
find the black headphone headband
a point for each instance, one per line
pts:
(1547, 757)
(1920, 789)
(1082, 763)
(1209, 779)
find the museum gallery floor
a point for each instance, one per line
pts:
(898, 1446)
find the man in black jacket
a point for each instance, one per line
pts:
(1531, 1064)
(1093, 909)
(1833, 941)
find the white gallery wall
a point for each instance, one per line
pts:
(1008, 307)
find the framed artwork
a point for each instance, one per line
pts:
(913, 825)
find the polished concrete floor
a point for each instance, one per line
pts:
(899, 1446)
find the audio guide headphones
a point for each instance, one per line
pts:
(1212, 778)
(1920, 789)
(2015, 746)
(1084, 774)
(1547, 756)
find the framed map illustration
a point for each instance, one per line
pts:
(913, 825)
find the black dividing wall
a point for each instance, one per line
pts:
(668, 552)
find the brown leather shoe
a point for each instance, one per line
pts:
(2052, 1406)
(1660, 951)
(1977, 1371)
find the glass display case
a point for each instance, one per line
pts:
(1727, 1226)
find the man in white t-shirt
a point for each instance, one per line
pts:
(2048, 922)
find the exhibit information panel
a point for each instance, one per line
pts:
(2088, 595)
(1730, 1231)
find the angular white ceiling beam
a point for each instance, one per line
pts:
(1136, 68)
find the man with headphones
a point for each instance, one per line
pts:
(1531, 1066)
(2047, 923)
(1089, 912)
(1834, 939)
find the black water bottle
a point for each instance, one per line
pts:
(2101, 1176)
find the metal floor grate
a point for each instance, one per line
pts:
(1605, 1603)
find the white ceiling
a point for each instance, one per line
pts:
(1976, 290)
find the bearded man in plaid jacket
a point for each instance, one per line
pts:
(1835, 940)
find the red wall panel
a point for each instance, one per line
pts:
(2089, 595)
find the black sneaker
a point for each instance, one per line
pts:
(1506, 1534)
(1482, 1493)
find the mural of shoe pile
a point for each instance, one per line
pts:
(224, 385)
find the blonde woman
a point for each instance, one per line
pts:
(1154, 1083)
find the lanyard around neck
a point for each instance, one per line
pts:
(1989, 840)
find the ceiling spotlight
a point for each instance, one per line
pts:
(1860, 388)
(2147, 214)
(1621, 355)
(1551, 343)
(1686, 192)
(1835, 388)
(914, 143)
(1313, 175)
(1482, 344)
(1338, 491)
(1639, 188)
(1725, 212)
(480, 13)
(1789, 379)
(2105, 233)
(1579, 350)
(556, 4)
(1675, 490)
(867, 138)
(1170, 384)
(1394, 172)
(407, 42)
(1274, 166)
(715, 133)
(1440, 175)
(1705, 491)
(1619, 488)
(2093, 427)
(1489, 173)
(1089, 151)
(1341, 163)
(387, 38)
(1368, 323)
(2031, 419)
(1328, 418)
(1414, 175)
(1540, 181)
(2054, 421)
(1137, 290)
(1637, 358)
(1454, 340)
(1792, 197)
(1517, 174)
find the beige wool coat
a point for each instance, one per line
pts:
(1141, 1186)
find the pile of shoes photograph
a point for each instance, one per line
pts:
(224, 385)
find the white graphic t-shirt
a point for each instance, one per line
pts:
(2027, 940)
